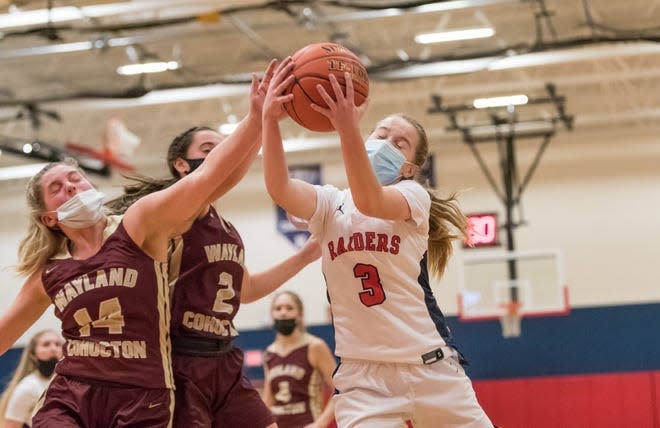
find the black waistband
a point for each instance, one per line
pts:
(200, 346)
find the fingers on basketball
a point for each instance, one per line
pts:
(314, 64)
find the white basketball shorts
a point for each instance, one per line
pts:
(389, 395)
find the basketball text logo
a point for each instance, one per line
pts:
(357, 71)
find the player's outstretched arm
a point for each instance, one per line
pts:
(295, 196)
(30, 303)
(263, 283)
(252, 148)
(170, 212)
(240, 171)
(369, 196)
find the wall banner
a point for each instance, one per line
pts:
(312, 175)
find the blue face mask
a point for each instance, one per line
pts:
(385, 160)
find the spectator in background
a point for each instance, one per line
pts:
(34, 371)
(296, 365)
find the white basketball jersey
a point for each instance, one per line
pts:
(382, 305)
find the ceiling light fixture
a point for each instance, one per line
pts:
(39, 16)
(451, 36)
(230, 126)
(426, 8)
(491, 63)
(303, 144)
(21, 171)
(519, 129)
(162, 8)
(509, 100)
(147, 67)
(403, 55)
(227, 128)
(443, 68)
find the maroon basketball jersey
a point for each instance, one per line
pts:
(295, 386)
(206, 274)
(115, 313)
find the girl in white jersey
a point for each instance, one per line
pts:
(379, 239)
(30, 380)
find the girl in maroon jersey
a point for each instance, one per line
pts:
(107, 278)
(296, 366)
(209, 282)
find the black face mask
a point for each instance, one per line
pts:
(285, 327)
(194, 164)
(47, 367)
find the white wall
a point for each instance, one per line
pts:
(596, 197)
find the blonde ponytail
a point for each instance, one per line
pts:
(446, 221)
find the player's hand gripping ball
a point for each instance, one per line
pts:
(313, 65)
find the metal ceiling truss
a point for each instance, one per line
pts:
(505, 131)
(310, 13)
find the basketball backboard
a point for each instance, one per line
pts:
(495, 284)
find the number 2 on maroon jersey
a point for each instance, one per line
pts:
(226, 292)
(373, 293)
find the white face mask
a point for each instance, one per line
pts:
(82, 210)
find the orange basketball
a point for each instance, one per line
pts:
(313, 65)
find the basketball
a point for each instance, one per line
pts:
(313, 65)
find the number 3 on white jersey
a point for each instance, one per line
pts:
(373, 293)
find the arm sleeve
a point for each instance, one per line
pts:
(325, 196)
(418, 200)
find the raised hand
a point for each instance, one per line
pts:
(275, 99)
(258, 89)
(342, 111)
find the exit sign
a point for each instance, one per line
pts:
(483, 230)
